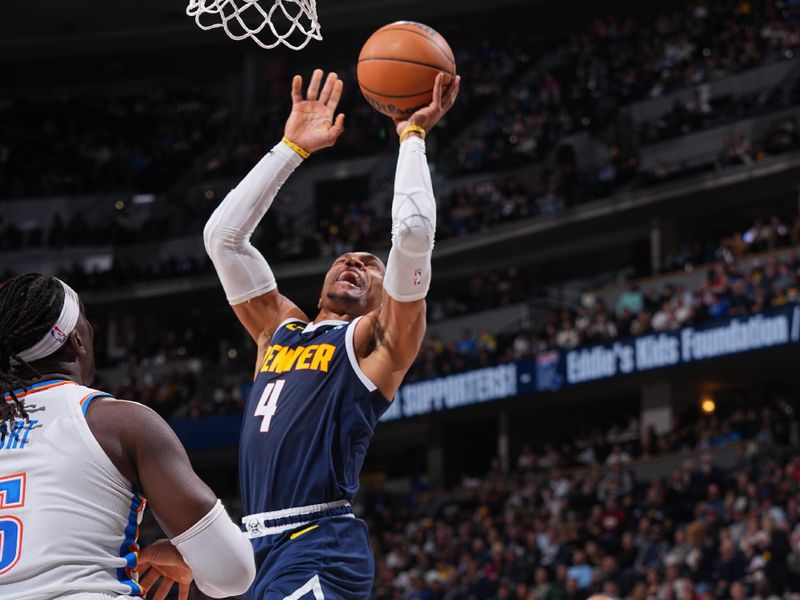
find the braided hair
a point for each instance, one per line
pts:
(29, 306)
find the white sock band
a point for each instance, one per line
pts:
(57, 336)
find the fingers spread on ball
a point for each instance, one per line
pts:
(437, 90)
(452, 92)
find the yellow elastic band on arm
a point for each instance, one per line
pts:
(302, 152)
(415, 129)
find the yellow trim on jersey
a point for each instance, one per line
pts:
(297, 534)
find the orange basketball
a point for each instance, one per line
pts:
(398, 64)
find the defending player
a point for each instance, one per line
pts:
(76, 466)
(321, 386)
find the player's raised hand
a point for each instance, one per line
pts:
(430, 115)
(161, 560)
(311, 125)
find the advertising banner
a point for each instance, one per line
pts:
(555, 370)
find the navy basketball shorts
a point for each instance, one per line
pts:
(328, 559)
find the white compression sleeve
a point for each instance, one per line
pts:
(219, 554)
(408, 269)
(241, 268)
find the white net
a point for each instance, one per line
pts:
(292, 23)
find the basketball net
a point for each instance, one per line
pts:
(292, 23)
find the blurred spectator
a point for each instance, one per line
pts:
(503, 537)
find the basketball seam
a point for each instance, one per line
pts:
(431, 40)
(406, 60)
(371, 91)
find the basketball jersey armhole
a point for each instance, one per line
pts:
(104, 461)
(87, 400)
(351, 355)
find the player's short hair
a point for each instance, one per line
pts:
(29, 305)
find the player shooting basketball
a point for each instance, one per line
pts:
(321, 386)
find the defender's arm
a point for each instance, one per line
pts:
(148, 453)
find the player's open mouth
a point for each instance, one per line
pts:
(350, 277)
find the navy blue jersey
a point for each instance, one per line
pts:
(308, 420)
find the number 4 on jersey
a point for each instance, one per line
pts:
(268, 403)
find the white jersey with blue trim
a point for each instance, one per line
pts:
(68, 518)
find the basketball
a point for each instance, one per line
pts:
(398, 65)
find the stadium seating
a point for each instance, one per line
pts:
(554, 141)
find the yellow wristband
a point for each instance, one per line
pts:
(303, 153)
(414, 128)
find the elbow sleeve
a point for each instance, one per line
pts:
(242, 270)
(414, 227)
(219, 554)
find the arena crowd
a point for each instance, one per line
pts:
(726, 290)
(705, 533)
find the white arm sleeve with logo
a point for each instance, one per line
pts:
(241, 268)
(408, 269)
(219, 554)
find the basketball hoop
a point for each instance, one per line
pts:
(292, 23)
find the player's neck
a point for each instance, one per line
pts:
(59, 371)
(329, 315)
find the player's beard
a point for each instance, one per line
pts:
(344, 298)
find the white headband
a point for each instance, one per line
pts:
(57, 336)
